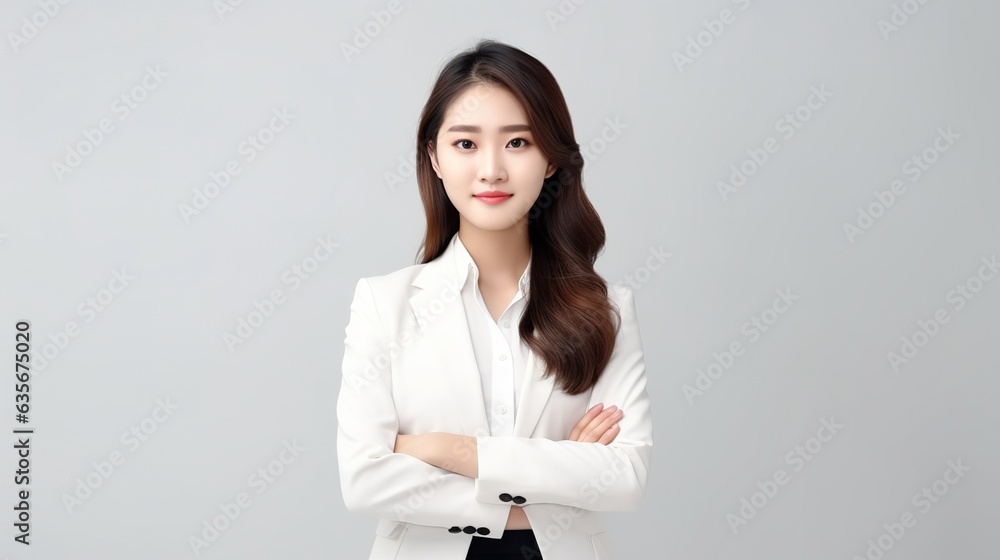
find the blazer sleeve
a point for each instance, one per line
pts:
(585, 475)
(373, 478)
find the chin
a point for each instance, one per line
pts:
(499, 222)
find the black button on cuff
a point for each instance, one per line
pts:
(470, 529)
(519, 500)
(483, 531)
(505, 497)
(455, 530)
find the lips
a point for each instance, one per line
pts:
(493, 197)
(493, 194)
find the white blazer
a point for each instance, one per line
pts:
(409, 368)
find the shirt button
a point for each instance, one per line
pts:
(503, 357)
(506, 324)
(502, 409)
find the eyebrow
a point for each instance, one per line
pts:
(474, 128)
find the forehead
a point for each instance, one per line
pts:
(485, 104)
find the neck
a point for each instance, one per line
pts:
(500, 255)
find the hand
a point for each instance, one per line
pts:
(598, 425)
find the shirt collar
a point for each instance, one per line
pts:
(466, 267)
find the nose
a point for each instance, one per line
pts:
(491, 167)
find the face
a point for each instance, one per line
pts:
(474, 155)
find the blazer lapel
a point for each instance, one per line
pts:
(438, 309)
(534, 394)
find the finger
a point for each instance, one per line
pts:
(611, 434)
(594, 429)
(607, 422)
(593, 412)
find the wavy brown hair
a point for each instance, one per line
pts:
(568, 302)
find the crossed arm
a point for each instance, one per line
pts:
(460, 454)
(388, 474)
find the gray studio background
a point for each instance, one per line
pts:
(866, 243)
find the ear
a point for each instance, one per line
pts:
(431, 154)
(551, 170)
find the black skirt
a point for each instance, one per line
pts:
(515, 544)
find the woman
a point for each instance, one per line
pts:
(468, 439)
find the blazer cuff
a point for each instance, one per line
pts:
(524, 471)
(494, 484)
(490, 522)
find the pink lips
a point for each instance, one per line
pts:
(493, 197)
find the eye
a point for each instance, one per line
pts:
(521, 143)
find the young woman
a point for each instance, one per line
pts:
(494, 395)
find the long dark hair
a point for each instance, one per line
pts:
(568, 302)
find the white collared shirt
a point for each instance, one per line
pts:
(499, 351)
